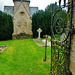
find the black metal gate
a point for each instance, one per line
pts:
(61, 26)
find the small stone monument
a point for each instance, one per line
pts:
(21, 20)
(63, 36)
(39, 32)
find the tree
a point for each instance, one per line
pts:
(6, 26)
(41, 20)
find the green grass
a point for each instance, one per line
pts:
(57, 36)
(24, 57)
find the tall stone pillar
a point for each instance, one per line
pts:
(21, 20)
(72, 56)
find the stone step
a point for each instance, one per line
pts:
(21, 37)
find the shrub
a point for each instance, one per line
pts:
(6, 26)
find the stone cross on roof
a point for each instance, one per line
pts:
(39, 31)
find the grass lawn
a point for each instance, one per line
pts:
(24, 57)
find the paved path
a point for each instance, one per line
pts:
(42, 42)
(48, 43)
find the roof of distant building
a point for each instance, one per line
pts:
(22, 0)
(10, 10)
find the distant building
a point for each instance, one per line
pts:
(33, 10)
(10, 10)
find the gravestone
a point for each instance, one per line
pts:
(63, 36)
(39, 32)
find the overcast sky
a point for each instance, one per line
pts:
(41, 4)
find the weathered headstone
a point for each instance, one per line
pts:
(63, 36)
(39, 32)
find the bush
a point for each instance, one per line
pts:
(6, 26)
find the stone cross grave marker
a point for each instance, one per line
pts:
(39, 32)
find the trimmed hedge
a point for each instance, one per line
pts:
(6, 26)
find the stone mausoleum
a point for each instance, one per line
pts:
(21, 13)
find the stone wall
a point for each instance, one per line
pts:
(72, 57)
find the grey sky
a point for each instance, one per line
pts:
(41, 4)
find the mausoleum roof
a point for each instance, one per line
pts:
(22, 0)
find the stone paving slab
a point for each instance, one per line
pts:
(48, 43)
(42, 42)
(2, 48)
